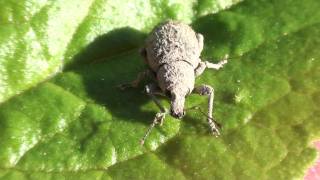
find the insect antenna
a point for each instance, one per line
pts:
(226, 57)
(203, 113)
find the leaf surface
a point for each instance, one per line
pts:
(77, 124)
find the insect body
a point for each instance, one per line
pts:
(172, 52)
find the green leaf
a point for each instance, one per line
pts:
(61, 115)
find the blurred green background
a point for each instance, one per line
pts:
(61, 116)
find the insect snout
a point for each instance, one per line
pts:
(177, 115)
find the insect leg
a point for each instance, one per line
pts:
(143, 53)
(218, 65)
(151, 90)
(206, 90)
(142, 75)
(206, 64)
(200, 69)
(200, 41)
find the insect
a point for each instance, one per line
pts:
(172, 52)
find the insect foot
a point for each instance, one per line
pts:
(224, 60)
(214, 128)
(219, 65)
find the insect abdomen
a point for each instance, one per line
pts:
(172, 41)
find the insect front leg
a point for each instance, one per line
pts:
(206, 90)
(152, 90)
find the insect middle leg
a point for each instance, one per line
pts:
(152, 90)
(141, 76)
(206, 64)
(208, 91)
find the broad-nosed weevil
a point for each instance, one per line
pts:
(172, 52)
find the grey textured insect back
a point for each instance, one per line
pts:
(172, 52)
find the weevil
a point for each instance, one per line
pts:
(172, 52)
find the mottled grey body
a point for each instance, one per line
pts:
(173, 41)
(172, 52)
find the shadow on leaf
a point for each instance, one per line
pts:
(120, 48)
(100, 77)
(115, 42)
